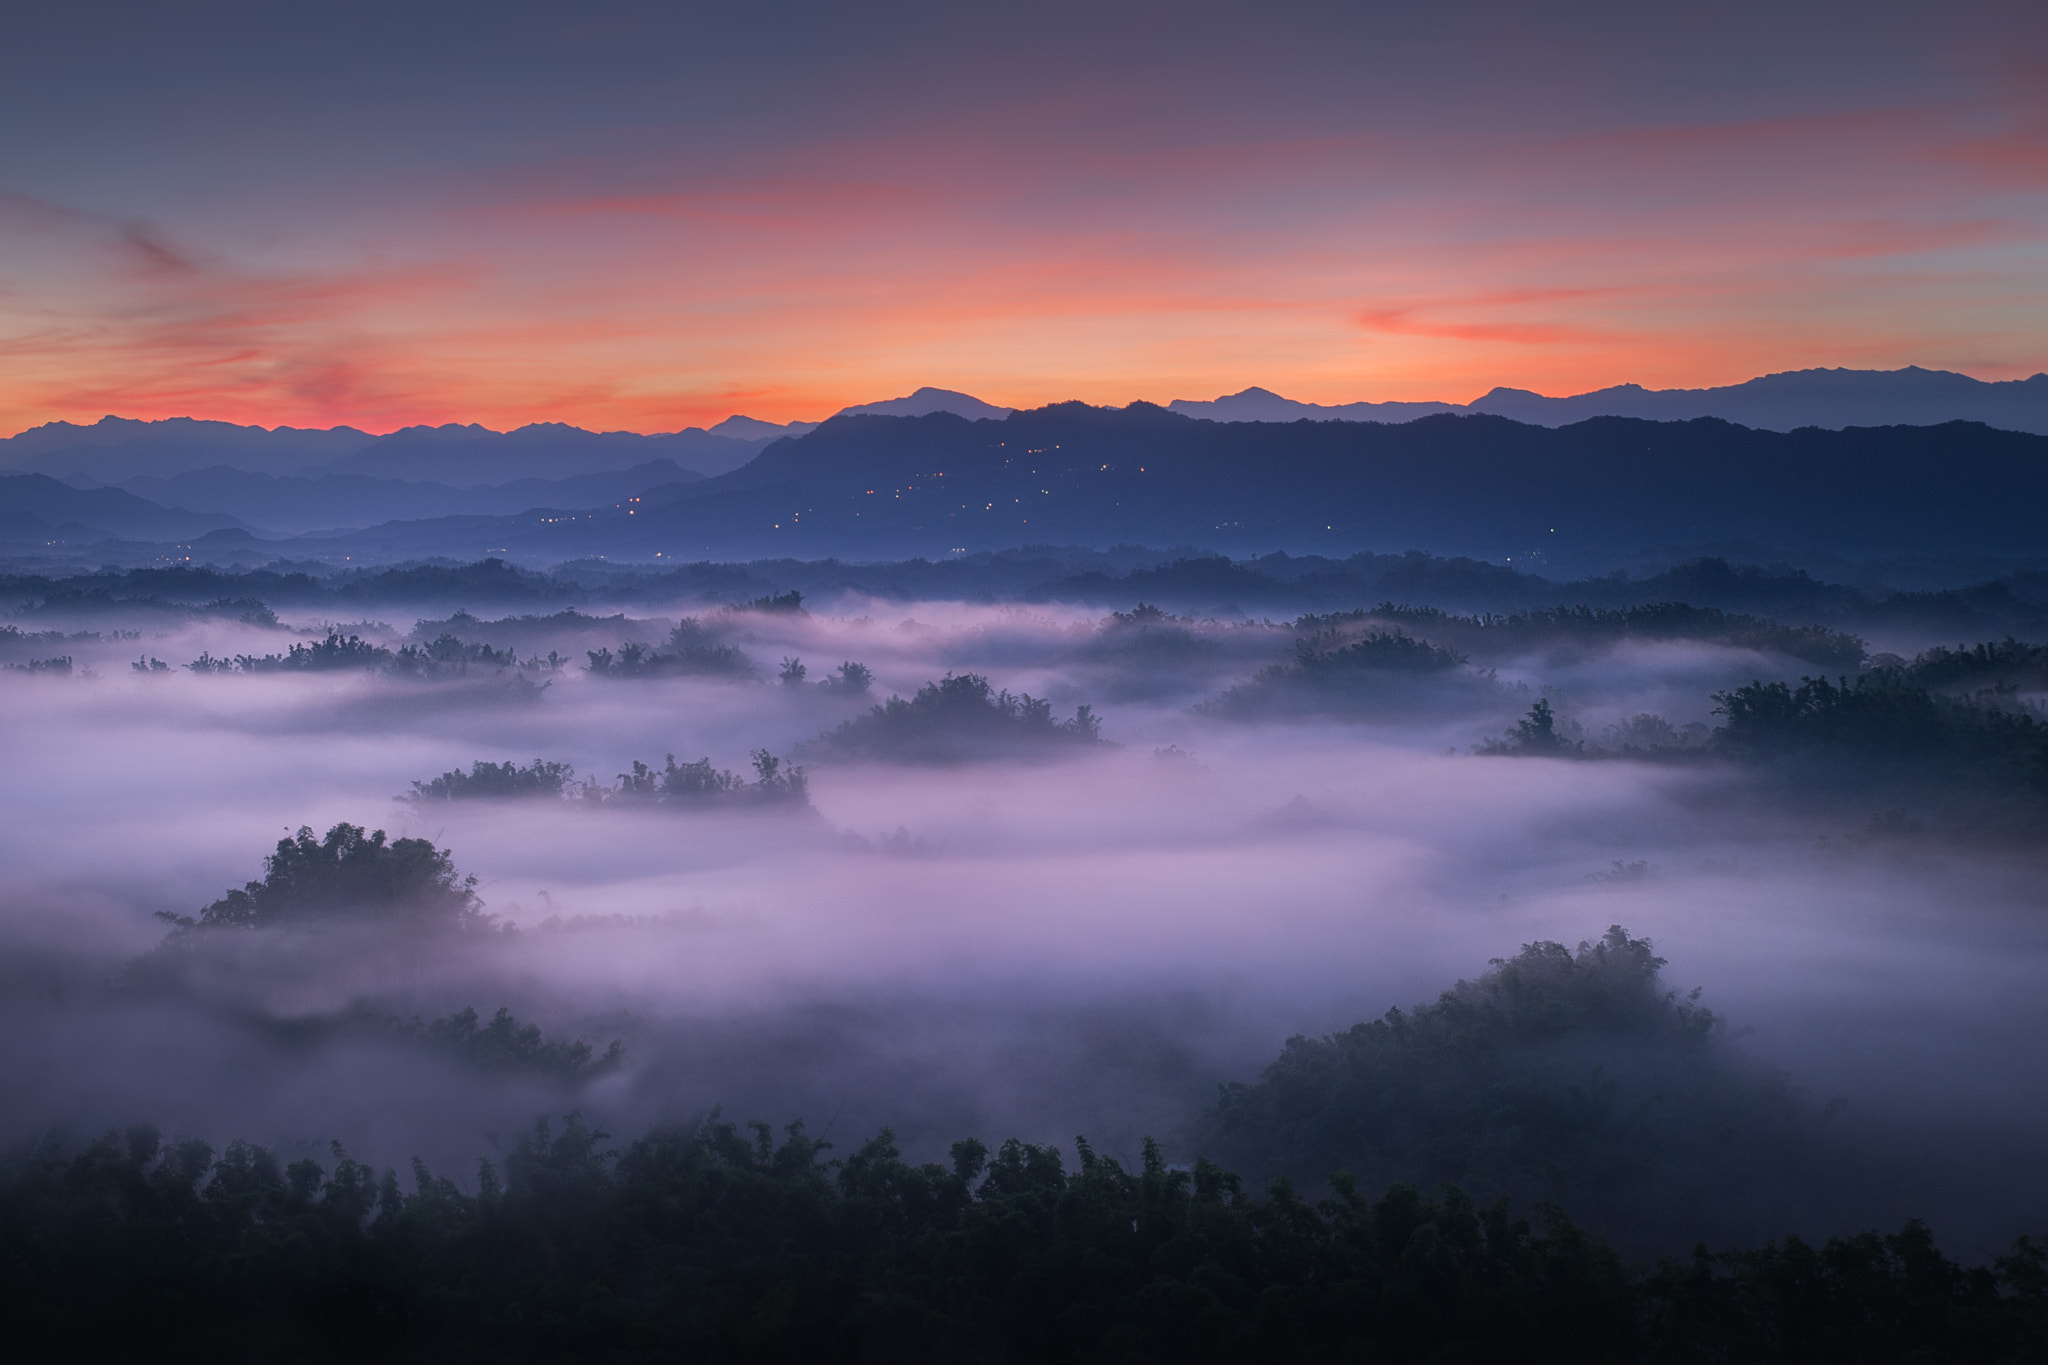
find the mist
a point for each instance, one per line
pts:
(1039, 940)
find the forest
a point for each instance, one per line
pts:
(1407, 1206)
(1424, 959)
(734, 1243)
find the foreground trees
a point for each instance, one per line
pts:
(711, 1243)
(1573, 1075)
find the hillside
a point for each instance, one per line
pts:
(35, 507)
(1773, 402)
(1488, 487)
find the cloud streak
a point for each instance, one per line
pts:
(641, 256)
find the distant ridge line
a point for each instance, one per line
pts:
(116, 449)
(1784, 401)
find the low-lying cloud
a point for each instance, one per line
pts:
(1082, 941)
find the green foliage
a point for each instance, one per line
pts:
(710, 1242)
(2000, 666)
(1870, 1297)
(1377, 650)
(1648, 733)
(446, 655)
(485, 580)
(692, 650)
(849, 679)
(1534, 736)
(494, 781)
(336, 651)
(1491, 634)
(347, 876)
(789, 603)
(507, 1045)
(1147, 645)
(1335, 673)
(1141, 615)
(1559, 1074)
(59, 667)
(701, 786)
(333, 652)
(955, 719)
(1884, 723)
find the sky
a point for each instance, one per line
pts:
(645, 216)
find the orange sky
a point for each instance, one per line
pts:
(1123, 233)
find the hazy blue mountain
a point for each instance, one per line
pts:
(330, 501)
(464, 456)
(925, 402)
(116, 448)
(1774, 402)
(1798, 398)
(36, 507)
(1263, 405)
(743, 428)
(1608, 491)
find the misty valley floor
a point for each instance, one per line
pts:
(1016, 926)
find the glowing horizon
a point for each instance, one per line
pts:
(535, 221)
(371, 430)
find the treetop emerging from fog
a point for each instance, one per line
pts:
(348, 874)
(956, 719)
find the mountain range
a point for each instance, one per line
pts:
(1773, 402)
(115, 450)
(1604, 489)
(939, 472)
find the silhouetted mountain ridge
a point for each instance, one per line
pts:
(1607, 489)
(1784, 401)
(115, 449)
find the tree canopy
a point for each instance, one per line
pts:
(347, 875)
(486, 780)
(1566, 1074)
(711, 1242)
(957, 718)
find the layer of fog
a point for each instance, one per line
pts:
(1078, 946)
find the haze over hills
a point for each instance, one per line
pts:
(1479, 485)
(1598, 495)
(1774, 402)
(938, 472)
(35, 508)
(926, 401)
(333, 501)
(115, 449)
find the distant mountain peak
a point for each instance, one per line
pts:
(1781, 401)
(446, 431)
(742, 428)
(927, 401)
(1257, 404)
